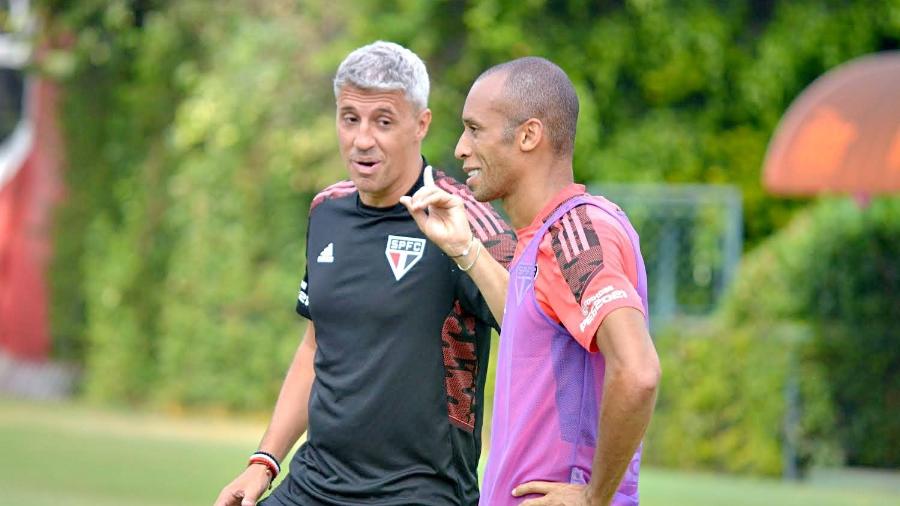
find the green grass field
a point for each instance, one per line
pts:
(73, 455)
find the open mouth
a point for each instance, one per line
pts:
(366, 166)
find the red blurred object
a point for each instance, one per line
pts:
(842, 134)
(25, 203)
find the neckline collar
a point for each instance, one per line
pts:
(570, 191)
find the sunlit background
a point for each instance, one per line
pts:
(158, 160)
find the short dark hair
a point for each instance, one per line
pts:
(537, 88)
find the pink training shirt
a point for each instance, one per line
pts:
(578, 261)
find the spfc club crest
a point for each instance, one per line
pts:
(403, 253)
(523, 280)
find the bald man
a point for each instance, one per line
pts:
(577, 372)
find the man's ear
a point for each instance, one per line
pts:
(530, 134)
(424, 120)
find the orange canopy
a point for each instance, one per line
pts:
(842, 134)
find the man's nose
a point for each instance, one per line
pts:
(462, 150)
(364, 139)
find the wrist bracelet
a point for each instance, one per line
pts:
(267, 468)
(269, 462)
(465, 251)
(477, 253)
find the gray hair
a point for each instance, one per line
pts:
(537, 88)
(385, 66)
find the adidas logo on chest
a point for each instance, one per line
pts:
(327, 254)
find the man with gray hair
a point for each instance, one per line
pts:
(388, 381)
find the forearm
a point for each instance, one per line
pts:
(489, 275)
(291, 414)
(625, 412)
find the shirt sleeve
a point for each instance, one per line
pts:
(303, 293)
(303, 297)
(594, 272)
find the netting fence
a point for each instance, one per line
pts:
(691, 240)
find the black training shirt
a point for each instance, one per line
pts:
(403, 338)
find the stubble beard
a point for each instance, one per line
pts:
(486, 192)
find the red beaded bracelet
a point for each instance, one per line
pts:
(268, 462)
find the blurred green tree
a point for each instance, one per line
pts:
(197, 133)
(802, 358)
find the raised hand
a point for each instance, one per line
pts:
(441, 216)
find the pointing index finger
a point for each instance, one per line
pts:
(429, 177)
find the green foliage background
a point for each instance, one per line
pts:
(816, 305)
(723, 404)
(199, 131)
